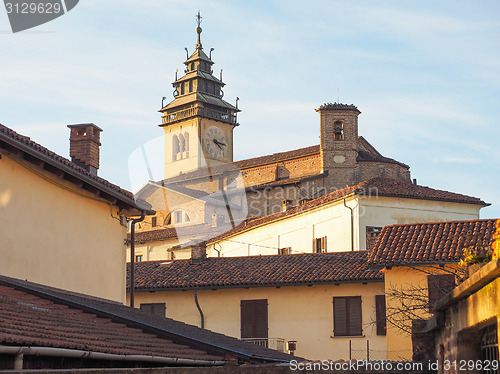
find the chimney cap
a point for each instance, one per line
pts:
(85, 125)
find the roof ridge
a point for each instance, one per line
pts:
(62, 161)
(443, 222)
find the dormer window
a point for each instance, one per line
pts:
(338, 131)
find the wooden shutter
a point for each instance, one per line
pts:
(354, 316)
(438, 286)
(339, 316)
(380, 314)
(254, 319)
(347, 318)
(154, 308)
(324, 244)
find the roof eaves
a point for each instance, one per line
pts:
(74, 173)
(257, 285)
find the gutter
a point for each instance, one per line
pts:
(20, 351)
(295, 284)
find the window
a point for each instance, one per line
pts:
(179, 215)
(254, 319)
(372, 234)
(286, 204)
(175, 147)
(153, 222)
(157, 309)
(192, 65)
(438, 286)
(347, 316)
(138, 258)
(285, 251)
(190, 86)
(380, 314)
(320, 245)
(183, 90)
(338, 131)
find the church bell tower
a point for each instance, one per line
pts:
(198, 124)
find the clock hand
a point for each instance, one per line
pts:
(217, 143)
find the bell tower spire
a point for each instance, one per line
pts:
(198, 123)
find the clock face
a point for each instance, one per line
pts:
(215, 142)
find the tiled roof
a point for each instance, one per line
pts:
(255, 271)
(373, 187)
(275, 158)
(11, 139)
(121, 324)
(183, 231)
(29, 320)
(432, 242)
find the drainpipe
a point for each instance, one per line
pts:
(202, 317)
(132, 257)
(352, 224)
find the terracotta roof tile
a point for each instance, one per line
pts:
(432, 242)
(28, 320)
(248, 271)
(81, 319)
(373, 187)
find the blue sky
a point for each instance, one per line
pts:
(424, 74)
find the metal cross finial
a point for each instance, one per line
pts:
(198, 18)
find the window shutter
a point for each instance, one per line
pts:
(158, 309)
(254, 319)
(324, 245)
(380, 314)
(355, 316)
(314, 245)
(340, 316)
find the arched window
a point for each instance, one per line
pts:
(175, 147)
(338, 131)
(186, 141)
(176, 216)
(182, 144)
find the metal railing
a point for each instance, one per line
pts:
(199, 111)
(278, 344)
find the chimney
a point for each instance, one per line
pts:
(84, 143)
(286, 204)
(217, 220)
(198, 253)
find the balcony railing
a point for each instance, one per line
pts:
(278, 344)
(200, 111)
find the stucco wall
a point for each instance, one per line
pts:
(300, 313)
(412, 281)
(382, 211)
(296, 231)
(53, 236)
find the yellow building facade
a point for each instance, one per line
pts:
(61, 226)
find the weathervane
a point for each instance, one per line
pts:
(198, 18)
